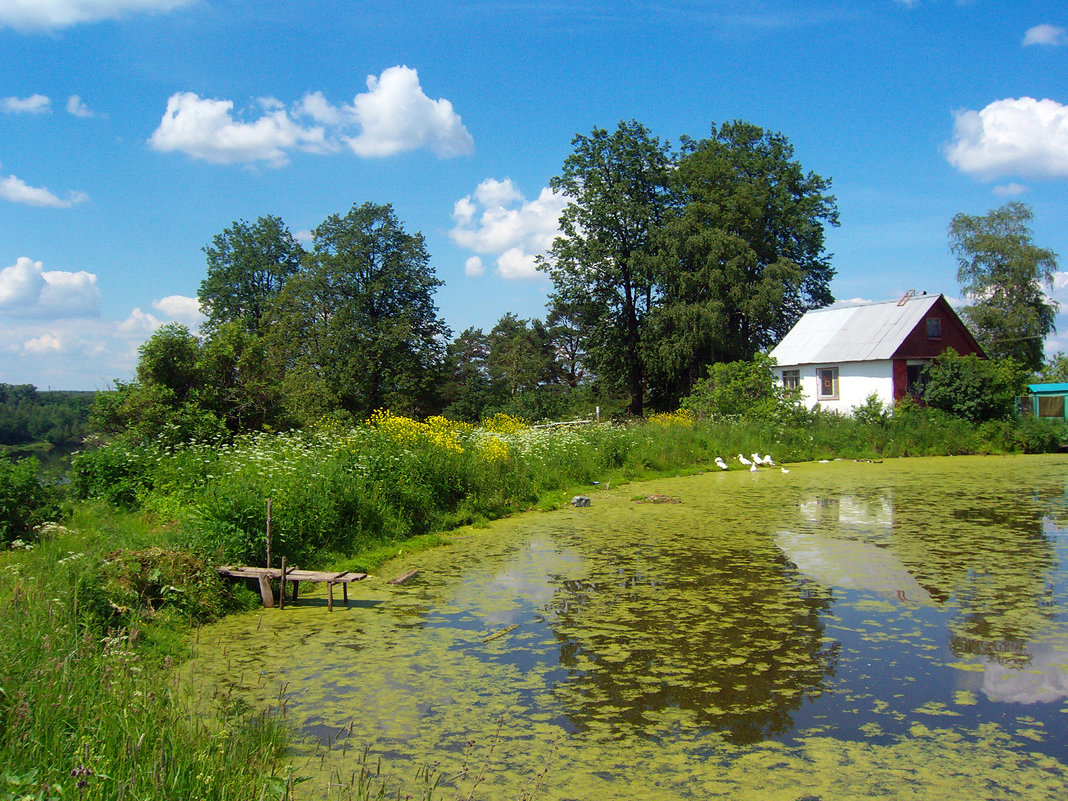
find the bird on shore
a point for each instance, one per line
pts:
(744, 461)
(785, 470)
(753, 468)
(757, 460)
(768, 460)
(722, 465)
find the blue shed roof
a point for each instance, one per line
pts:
(1048, 389)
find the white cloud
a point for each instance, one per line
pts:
(139, 324)
(27, 15)
(34, 104)
(1045, 35)
(496, 220)
(393, 117)
(396, 116)
(205, 129)
(18, 191)
(28, 290)
(46, 343)
(181, 309)
(474, 266)
(1023, 136)
(77, 107)
(1010, 190)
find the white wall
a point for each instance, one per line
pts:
(856, 381)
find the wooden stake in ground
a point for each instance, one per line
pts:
(270, 502)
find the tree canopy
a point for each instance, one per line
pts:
(248, 264)
(671, 262)
(1004, 275)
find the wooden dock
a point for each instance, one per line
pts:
(291, 575)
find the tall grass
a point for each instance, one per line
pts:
(341, 490)
(88, 712)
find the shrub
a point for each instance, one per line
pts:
(971, 387)
(24, 501)
(743, 391)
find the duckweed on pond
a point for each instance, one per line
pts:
(849, 630)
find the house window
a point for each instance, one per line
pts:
(791, 379)
(1051, 406)
(828, 383)
(934, 327)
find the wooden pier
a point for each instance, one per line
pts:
(291, 575)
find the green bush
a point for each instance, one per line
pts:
(745, 390)
(971, 387)
(24, 501)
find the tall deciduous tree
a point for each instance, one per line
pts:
(1004, 274)
(601, 264)
(358, 328)
(248, 264)
(742, 259)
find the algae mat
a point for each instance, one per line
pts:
(847, 630)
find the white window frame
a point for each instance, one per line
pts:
(834, 383)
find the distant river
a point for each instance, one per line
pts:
(848, 630)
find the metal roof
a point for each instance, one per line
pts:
(870, 332)
(1048, 389)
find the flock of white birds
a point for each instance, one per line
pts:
(753, 464)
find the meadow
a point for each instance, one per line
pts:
(94, 613)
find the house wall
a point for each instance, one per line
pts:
(856, 381)
(917, 345)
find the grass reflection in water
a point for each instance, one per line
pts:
(844, 631)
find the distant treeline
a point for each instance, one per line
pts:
(27, 415)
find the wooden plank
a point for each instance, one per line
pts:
(403, 577)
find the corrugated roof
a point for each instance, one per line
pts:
(870, 332)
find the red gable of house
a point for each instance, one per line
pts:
(939, 330)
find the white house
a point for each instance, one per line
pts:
(841, 356)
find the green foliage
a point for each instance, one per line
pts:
(872, 411)
(27, 415)
(90, 707)
(117, 473)
(743, 390)
(618, 186)
(1005, 275)
(1055, 370)
(24, 501)
(741, 259)
(247, 267)
(357, 329)
(971, 387)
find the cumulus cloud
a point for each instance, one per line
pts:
(28, 290)
(29, 15)
(394, 116)
(34, 104)
(474, 267)
(18, 191)
(181, 309)
(1023, 136)
(496, 220)
(206, 129)
(1045, 34)
(77, 107)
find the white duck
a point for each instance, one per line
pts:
(744, 461)
(722, 465)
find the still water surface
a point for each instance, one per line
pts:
(847, 630)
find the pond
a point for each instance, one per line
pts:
(846, 630)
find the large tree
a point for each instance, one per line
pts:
(1004, 275)
(617, 185)
(248, 264)
(741, 260)
(358, 329)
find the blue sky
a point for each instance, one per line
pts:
(133, 131)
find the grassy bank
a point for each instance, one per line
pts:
(93, 614)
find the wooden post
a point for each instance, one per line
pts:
(266, 593)
(270, 502)
(329, 596)
(282, 587)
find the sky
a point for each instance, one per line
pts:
(134, 131)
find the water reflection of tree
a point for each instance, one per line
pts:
(727, 638)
